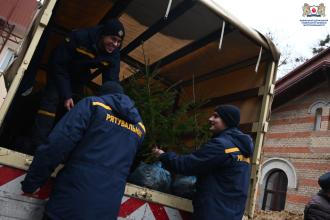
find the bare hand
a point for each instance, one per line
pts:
(157, 151)
(69, 104)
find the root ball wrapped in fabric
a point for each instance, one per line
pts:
(184, 186)
(152, 176)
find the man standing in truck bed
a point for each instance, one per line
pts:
(98, 139)
(70, 68)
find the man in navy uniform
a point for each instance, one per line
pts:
(70, 68)
(98, 140)
(318, 208)
(222, 167)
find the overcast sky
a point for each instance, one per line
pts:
(283, 19)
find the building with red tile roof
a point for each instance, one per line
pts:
(296, 150)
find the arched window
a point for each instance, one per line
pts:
(318, 119)
(316, 109)
(275, 191)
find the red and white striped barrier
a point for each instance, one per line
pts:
(131, 208)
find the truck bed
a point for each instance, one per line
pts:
(138, 202)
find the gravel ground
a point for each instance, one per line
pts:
(283, 215)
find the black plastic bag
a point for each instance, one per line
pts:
(184, 186)
(152, 176)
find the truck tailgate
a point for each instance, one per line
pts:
(15, 205)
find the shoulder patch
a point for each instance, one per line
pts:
(231, 150)
(102, 105)
(85, 52)
(238, 156)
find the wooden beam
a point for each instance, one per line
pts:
(159, 25)
(116, 10)
(249, 93)
(225, 70)
(137, 64)
(131, 61)
(190, 48)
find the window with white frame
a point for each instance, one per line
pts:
(275, 191)
(277, 175)
(318, 119)
(317, 109)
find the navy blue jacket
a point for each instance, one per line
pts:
(98, 139)
(73, 60)
(319, 207)
(223, 172)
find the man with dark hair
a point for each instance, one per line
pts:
(70, 68)
(97, 140)
(222, 167)
(319, 206)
